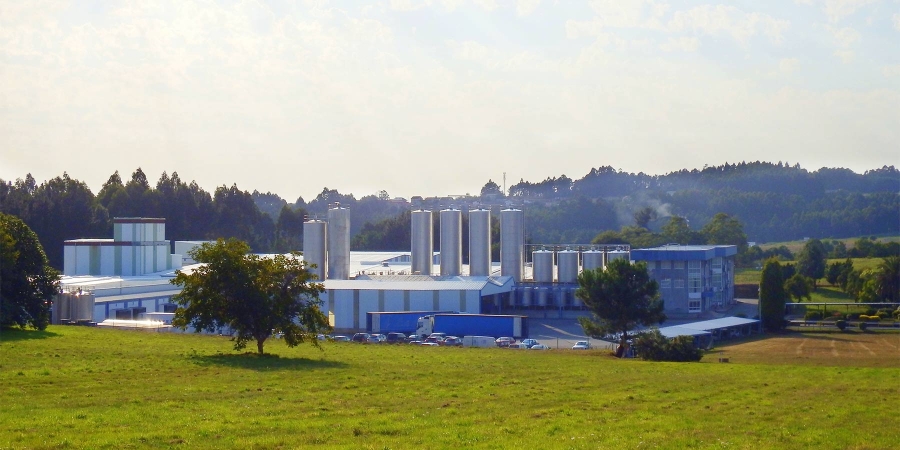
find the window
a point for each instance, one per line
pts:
(665, 264)
(694, 305)
(679, 283)
(717, 264)
(678, 265)
(665, 283)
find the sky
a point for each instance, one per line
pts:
(437, 97)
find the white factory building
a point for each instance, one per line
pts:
(128, 277)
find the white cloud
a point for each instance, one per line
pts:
(891, 71)
(684, 44)
(844, 40)
(409, 5)
(526, 7)
(729, 20)
(788, 65)
(487, 5)
(896, 20)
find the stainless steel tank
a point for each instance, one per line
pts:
(591, 259)
(512, 243)
(338, 243)
(576, 302)
(315, 234)
(542, 266)
(422, 243)
(526, 295)
(616, 254)
(567, 266)
(480, 242)
(543, 294)
(451, 242)
(559, 296)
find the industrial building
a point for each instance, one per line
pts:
(693, 279)
(128, 277)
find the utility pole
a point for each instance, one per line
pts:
(504, 184)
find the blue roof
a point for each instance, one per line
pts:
(683, 252)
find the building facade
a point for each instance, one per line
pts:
(692, 279)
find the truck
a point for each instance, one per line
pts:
(462, 325)
(384, 322)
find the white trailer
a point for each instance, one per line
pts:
(478, 341)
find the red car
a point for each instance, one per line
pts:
(504, 341)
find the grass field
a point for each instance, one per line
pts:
(79, 387)
(796, 246)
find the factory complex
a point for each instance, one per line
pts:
(127, 278)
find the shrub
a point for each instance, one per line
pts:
(883, 313)
(842, 324)
(837, 315)
(852, 316)
(813, 315)
(863, 326)
(871, 312)
(653, 346)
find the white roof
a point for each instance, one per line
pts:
(487, 285)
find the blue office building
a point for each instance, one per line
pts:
(693, 279)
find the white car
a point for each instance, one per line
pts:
(581, 345)
(539, 347)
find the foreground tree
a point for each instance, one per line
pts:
(27, 282)
(620, 298)
(772, 296)
(254, 296)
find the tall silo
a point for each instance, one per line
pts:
(542, 266)
(422, 242)
(616, 254)
(451, 242)
(526, 296)
(480, 242)
(542, 294)
(576, 302)
(338, 243)
(567, 263)
(512, 243)
(315, 234)
(591, 259)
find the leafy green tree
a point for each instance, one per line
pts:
(252, 295)
(653, 346)
(798, 287)
(27, 282)
(772, 296)
(887, 279)
(644, 216)
(811, 260)
(491, 188)
(725, 230)
(677, 230)
(620, 298)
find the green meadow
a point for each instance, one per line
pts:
(81, 387)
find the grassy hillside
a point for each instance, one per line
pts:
(75, 387)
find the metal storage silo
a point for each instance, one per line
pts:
(542, 296)
(422, 242)
(591, 259)
(314, 248)
(616, 254)
(576, 302)
(512, 243)
(567, 262)
(451, 242)
(338, 243)
(480, 242)
(559, 296)
(526, 296)
(542, 263)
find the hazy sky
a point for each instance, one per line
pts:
(436, 97)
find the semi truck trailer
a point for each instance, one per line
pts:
(473, 325)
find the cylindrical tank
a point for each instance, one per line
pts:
(542, 266)
(559, 296)
(616, 254)
(314, 239)
(422, 242)
(526, 296)
(543, 294)
(451, 242)
(567, 262)
(576, 302)
(480, 242)
(591, 259)
(85, 307)
(338, 243)
(512, 243)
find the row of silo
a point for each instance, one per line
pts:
(327, 244)
(512, 242)
(567, 263)
(545, 296)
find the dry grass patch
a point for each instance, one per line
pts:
(821, 348)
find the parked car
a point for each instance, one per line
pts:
(377, 338)
(434, 340)
(529, 342)
(517, 345)
(413, 338)
(539, 347)
(452, 341)
(321, 337)
(395, 338)
(340, 338)
(504, 341)
(429, 344)
(581, 345)
(360, 337)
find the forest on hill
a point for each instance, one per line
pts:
(771, 201)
